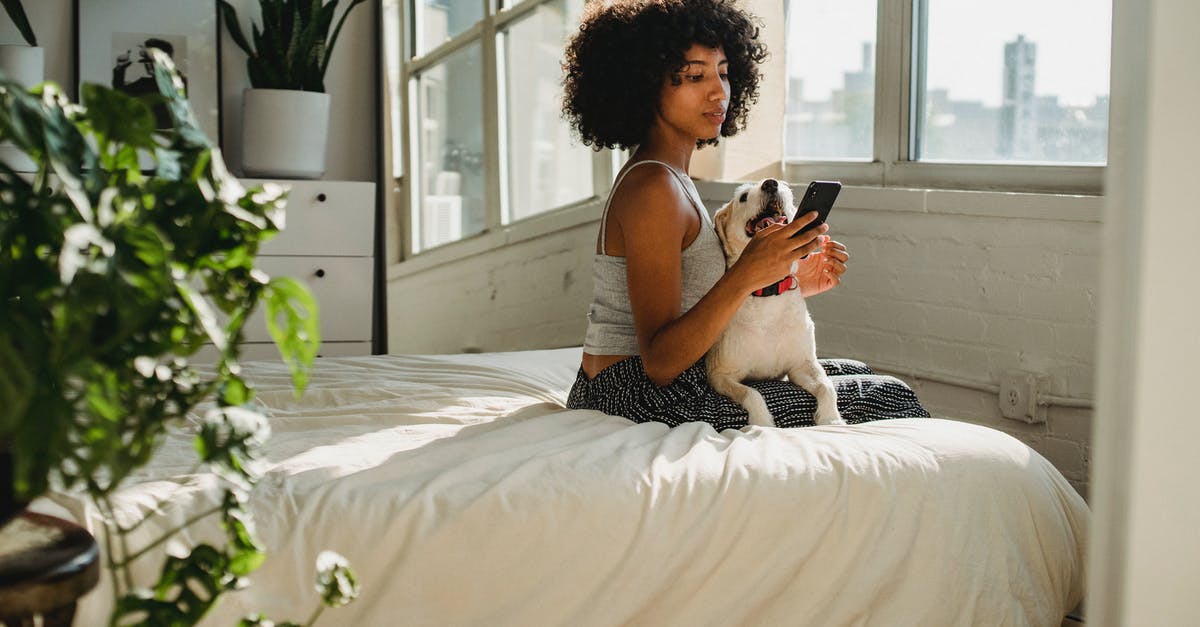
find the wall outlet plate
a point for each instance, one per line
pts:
(1020, 392)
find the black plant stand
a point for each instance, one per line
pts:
(47, 579)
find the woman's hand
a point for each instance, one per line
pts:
(773, 253)
(822, 271)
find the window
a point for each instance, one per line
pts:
(487, 145)
(439, 21)
(831, 80)
(984, 95)
(545, 167)
(935, 98)
(1024, 90)
(449, 142)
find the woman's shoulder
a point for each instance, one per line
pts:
(650, 192)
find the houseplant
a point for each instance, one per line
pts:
(110, 280)
(285, 113)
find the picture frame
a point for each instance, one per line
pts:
(111, 38)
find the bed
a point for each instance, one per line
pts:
(463, 493)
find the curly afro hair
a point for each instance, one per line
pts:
(615, 65)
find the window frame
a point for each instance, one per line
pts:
(495, 167)
(889, 168)
(900, 31)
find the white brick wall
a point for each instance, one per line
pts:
(936, 294)
(942, 286)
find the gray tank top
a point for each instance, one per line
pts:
(610, 317)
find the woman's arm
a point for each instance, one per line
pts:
(653, 218)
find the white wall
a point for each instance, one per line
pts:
(350, 80)
(1145, 555)
(950, 289)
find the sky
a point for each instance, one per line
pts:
(966, 45)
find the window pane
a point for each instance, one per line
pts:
(1030, 87)
(449, 124)
(438, 20)
(391, 63)
(546, 166)
(831, 79)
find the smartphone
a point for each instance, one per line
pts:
(818, 197)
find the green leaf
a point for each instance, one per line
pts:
(336, 581)
(187, 129)
(186, 590)
(119, 117)
(17, 13)
(337, 31)
(229, 439)
(299, 336)
(204, 314)
(16, 385)
(235, 29)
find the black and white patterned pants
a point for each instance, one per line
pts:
(623, 389)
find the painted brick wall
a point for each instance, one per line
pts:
(937, 293)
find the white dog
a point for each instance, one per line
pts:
(769, 336)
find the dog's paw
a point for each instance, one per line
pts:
(829, 417)
(761, 419)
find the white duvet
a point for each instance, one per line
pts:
(463, 493)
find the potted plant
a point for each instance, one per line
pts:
(285, 113)
(25, 64)
(110, 280)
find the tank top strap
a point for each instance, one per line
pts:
(687, 189)
(697, 202)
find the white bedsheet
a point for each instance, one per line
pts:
(463, 493)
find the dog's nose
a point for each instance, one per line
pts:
(769, 186)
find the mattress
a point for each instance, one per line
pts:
(463, 493)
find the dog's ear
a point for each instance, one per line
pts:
(721, 219)
(721, 224)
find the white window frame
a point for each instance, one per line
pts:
(888, 169)
(895, 120)
(485, 33)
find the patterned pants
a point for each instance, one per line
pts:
(623, 389)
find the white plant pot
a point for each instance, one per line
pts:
(27, 66)
(24, 64)
(284, 133)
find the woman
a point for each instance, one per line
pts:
(665, 77)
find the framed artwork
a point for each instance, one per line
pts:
(112, 41)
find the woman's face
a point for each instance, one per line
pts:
(696, 106)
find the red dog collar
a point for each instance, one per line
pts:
(788, 282)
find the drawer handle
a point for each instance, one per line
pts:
(320, 273)
(321, 197)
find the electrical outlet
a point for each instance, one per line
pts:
(1019, 392)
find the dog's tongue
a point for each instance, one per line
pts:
(765, 222)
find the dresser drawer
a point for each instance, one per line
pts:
(325, 218)
(342, 287)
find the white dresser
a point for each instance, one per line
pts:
(328, 243)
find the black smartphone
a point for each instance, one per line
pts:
(819, 197)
